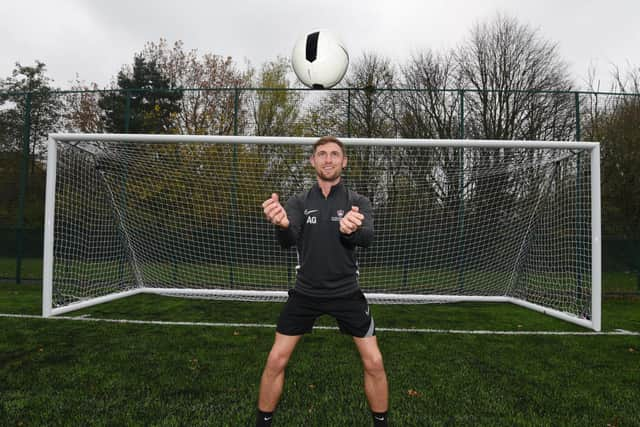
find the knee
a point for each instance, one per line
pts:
(373, 365)
(277, 361)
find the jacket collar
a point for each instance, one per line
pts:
(339, 187)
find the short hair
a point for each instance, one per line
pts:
(326, 140)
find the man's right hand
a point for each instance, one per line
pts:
(274, 212)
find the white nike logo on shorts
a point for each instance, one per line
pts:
(310, 211)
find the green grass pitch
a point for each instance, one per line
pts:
(62, 372)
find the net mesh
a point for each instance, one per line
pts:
(449, 221)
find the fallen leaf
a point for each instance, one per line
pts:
(193, 365)
(414, 393)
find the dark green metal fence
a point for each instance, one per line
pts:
(26, 119)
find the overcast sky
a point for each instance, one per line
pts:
(94, 38)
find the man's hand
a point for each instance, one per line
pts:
(351, 221)
(274, 212)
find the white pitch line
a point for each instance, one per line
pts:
(616, 332)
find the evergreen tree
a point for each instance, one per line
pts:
(152, 103)
(27, 93)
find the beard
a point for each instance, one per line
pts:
(331, 175)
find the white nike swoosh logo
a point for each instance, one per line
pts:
(310, 211)
(379, 418)
(268, 418)
(367, 312)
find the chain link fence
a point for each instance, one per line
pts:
(610, 118)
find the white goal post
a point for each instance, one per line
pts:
(455, 220)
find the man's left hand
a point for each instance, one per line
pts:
(351, 221)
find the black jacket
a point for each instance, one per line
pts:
(327, 265)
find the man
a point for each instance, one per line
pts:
(326, 223)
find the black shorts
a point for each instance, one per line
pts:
(351, 312)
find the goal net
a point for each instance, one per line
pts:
(455, 220)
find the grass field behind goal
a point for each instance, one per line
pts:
(65, 372)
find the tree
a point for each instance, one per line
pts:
(148, 98)
(503, 62)
(617, 128)
(27, 93)
(214, 83)
(276, 109)
(517, 88)
(620, 175)
(82, 108)
(372, 111)
(207, 105)
(10, 166)
(11, 128)
(367, 109)
(428, 109)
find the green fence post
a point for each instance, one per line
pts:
(578, 127)
(461, 243)
(123, 196)
(579, 245)
(348, 113)
(461, 125)
(236, 109)
(127, 111)
(26, 136)
(234, 186)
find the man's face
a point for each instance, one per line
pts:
(328, 161)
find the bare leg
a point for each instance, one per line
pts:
(272, 380)
(375, 377)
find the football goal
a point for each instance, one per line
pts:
(455, 220)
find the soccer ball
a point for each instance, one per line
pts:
(319, 59)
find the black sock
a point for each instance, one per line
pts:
(263, 419)
(379, 419)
